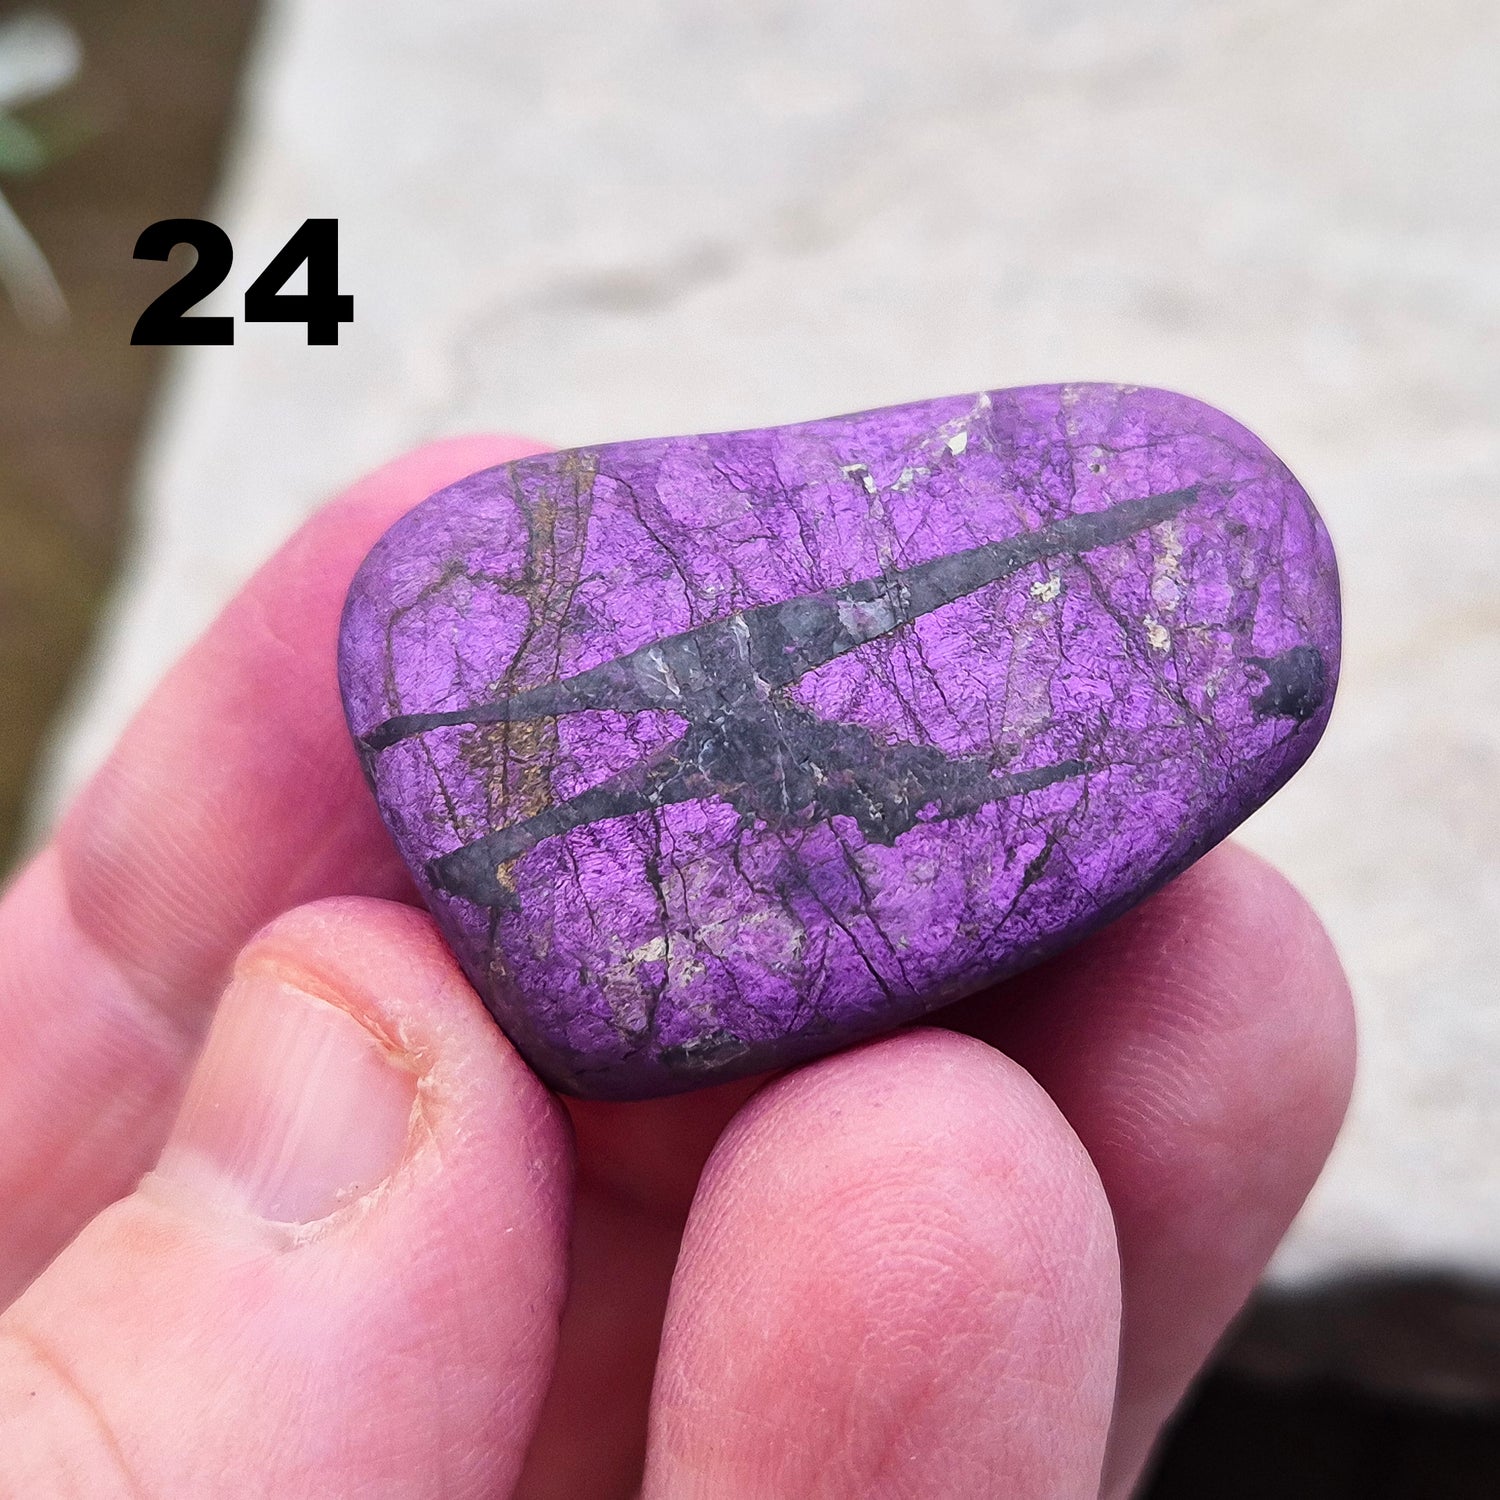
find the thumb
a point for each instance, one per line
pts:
(344, 1275)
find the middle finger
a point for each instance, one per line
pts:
(898, 1279)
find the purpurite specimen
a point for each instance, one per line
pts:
(715, 753)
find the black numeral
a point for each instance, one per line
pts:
(163, 321)
(322, 306)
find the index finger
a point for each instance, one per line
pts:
(233, 796)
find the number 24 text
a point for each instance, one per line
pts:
(322, 307)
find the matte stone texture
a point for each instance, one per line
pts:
(715, 753)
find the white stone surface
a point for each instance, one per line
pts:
(593, 221)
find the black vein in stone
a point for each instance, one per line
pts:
(747, 742)
(781, 642)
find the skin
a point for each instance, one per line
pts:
(983, 1257)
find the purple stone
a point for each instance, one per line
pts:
(711, 754)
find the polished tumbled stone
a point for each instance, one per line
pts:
(714, 753)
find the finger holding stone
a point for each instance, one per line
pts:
(898, 1279)
(1203, 1050)
(345, 1273)
(234, 795)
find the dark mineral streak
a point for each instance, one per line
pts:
(824, 782)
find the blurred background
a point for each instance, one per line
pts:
(591, 221)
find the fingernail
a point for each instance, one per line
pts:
(294, 1108)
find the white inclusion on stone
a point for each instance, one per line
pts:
(958, 440)
(1158, 634)
(1048, 589)
(865, 620)
(1166, 586)
(861, 473)
(653, 662)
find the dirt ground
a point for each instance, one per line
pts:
(150, 110)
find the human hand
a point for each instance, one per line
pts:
(376, 1257)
